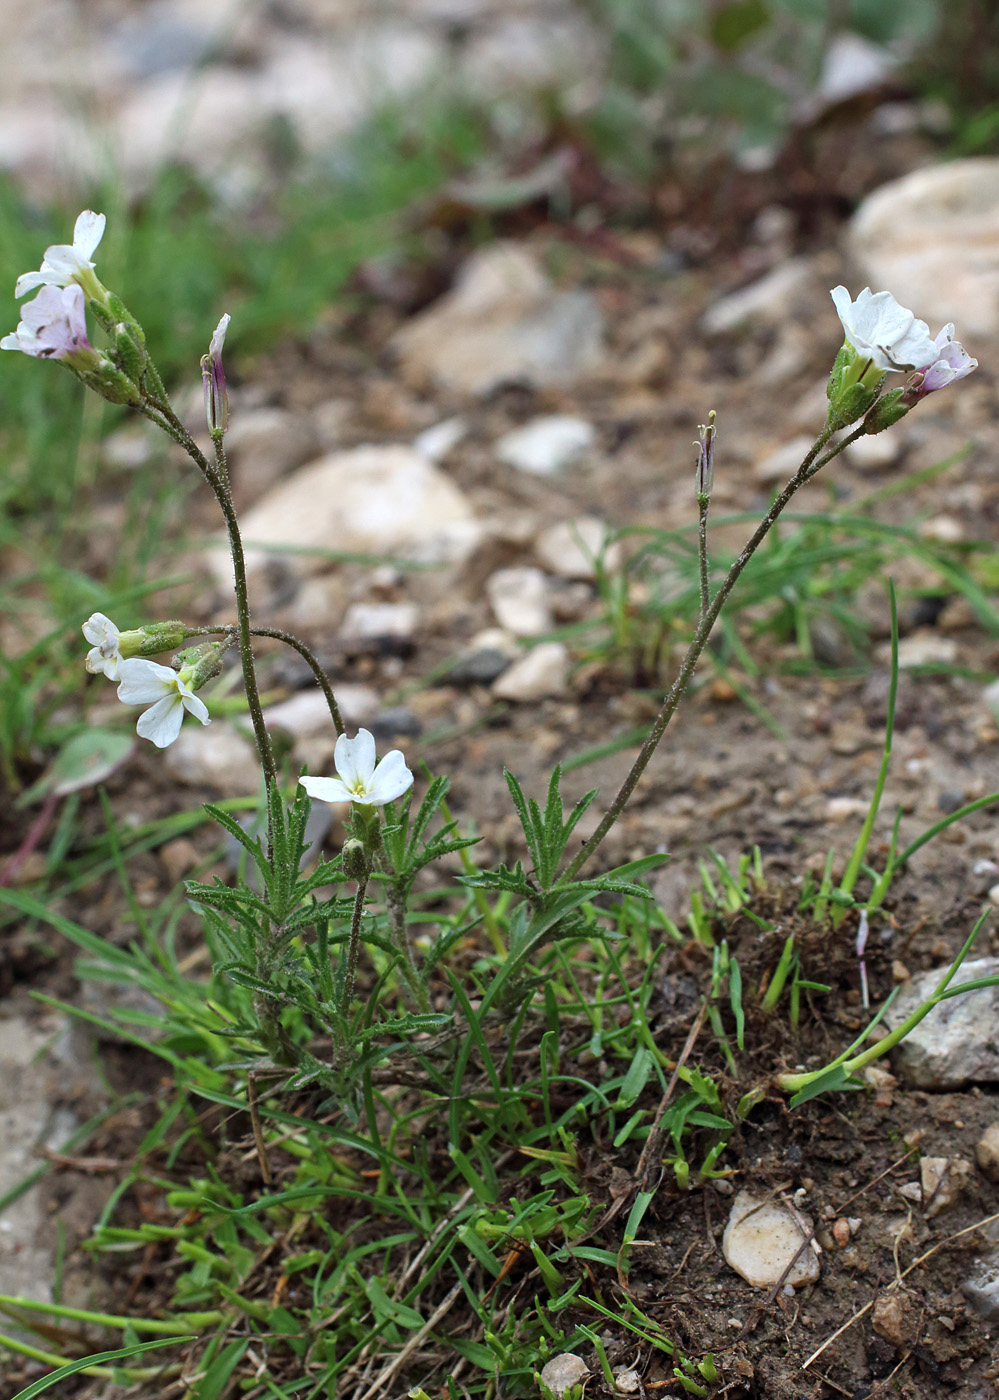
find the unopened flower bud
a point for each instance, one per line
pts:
(705, 458)
(130, 352)
(354, 859)
(154, 637)
(213, 379)
(887, 411)
(109, 381)
(197, 665)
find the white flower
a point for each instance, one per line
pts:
(167, 694)
(105, 653)
(886, 333)
(64, 263)
(358, 780)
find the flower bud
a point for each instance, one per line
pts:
(197, 665)
(213, 379)
(152, 638)
(705, 459)
(887, 411)
(132, 357)
(108, 380)
(354, 859)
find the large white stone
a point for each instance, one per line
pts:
(546, 445)
(215, 756)
(503, 322)
(958, 1042)
(761, 1240)
(519, 600)
(540, 674)
(932, 240)
(370, 500)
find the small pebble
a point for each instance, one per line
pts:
(564, 1371)
(987, 1152)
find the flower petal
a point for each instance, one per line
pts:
(161, 722)
(392, 778)
(87, 233)
(143, 682)
(326, 789)
(195, 706)
(28, 280)
(99, 629)
(354, 759)
(218, 339)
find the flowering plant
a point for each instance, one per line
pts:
(277, 938)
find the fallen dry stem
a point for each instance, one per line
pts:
(916, 1263)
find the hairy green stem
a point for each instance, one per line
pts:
(703, 505)
(701, 634)
(354, 944)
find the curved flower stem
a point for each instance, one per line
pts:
(157, 408)
(701, 634)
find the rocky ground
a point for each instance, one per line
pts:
(486, 449)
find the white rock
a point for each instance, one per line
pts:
(262, 445)
(519, 600)
(38, 1066)
(942, 1180)
(767, 300)
(436, 442)
(214, 756)
(926, 649)
(876, 451)
(130, 447)
(546, 445)
(369, 622)
(564, 1371)
(572, 548)
(325, 89)
(932, 238)
(370, 500)
(530, 50)
(945, 528)
(852, 65)
(956, 1043)
(541, 673)
(306, 714)
(982, 1287)
(627, 1380)
(502, 322)
(782, 463)
(485, 658)
(762, 1238)
(987, 1152)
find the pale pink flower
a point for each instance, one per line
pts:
(54, 327)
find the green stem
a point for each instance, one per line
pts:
(698, 642)
(851, 1064)
(157, 408)
(703, 505)
(354, 945)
